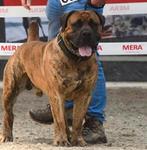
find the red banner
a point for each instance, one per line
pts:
(18, 2)
(125, 1)
(43, 2)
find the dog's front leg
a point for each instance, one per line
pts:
(60, 126)
(79, 111)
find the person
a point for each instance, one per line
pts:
(93, 130)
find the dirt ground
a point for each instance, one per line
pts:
(126, 123)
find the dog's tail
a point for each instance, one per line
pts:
(33, 35)
(33, 30)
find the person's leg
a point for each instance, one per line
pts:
(98, 102)
(53, 13)
(53, 29)
(93, 130)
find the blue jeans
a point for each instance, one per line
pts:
(98, 102)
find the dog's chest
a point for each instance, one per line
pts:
(73, 78)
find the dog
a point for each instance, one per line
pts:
(63, 68)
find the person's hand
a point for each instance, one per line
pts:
(26, 4)
(97, 3)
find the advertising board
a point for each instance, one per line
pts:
(125, 31)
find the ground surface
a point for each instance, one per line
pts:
(126, 124)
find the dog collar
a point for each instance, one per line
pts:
(69, 51)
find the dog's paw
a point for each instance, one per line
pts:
(79, 142)
(39, 93)
(61, 142)
(4, 138)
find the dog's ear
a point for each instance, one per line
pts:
(101, 17)
(64, 18)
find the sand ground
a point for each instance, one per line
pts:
(126, 123)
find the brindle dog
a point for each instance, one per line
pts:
(63, 68)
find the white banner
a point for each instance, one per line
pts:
(107, 48)
(20, 11)
(125, 8)
(7, 49)
(125, 48)
(39, 11)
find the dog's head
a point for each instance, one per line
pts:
(82, 29)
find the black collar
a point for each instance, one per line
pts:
(69, 51)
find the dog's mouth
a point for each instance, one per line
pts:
(85, 51)
(84, 48)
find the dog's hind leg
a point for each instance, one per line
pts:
(10, 92)
(8, 97)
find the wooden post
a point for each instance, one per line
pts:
(2, 26)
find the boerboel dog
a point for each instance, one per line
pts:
(63, 68)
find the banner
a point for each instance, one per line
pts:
(125, 31)
(124, 1)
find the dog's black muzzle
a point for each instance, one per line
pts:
(86, 37)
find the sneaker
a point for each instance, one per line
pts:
(93, 131)
(45, 115)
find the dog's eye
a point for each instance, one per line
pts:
(93, 24)
(77, 24)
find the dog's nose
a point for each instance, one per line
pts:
(86, 34)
